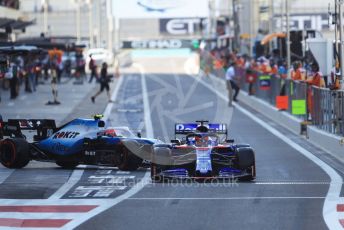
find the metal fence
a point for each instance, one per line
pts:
(324, 107)
(328, 110)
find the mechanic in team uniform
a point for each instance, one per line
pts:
(232, 83)
(297, 73)
(93, 67)
(54, 82)
(316, 80)
(104, 81)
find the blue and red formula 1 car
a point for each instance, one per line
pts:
(204, 152)
(80, 141)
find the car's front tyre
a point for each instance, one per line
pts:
(246, 162)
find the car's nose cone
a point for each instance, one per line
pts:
(203, 162)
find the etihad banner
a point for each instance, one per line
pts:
(160, 9)
(310, 21)
(157, 44)
(182, 26)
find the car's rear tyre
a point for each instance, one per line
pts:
(14, 153)
(67, 164)
(246, 161)
(129, 161)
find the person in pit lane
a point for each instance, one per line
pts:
(104, 81)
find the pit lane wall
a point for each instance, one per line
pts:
(124, 58)
(326, 129)
(10, 13)
(331, 143)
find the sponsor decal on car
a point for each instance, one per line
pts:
(59, 147)
(65, 135)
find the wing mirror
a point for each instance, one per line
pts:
(139, 135)
(176, 142)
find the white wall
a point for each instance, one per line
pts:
(10, 13)
(160, 8)
(57, 5)
(304, 6)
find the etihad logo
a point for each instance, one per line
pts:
(160, 44)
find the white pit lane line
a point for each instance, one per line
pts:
(5, 173)
(77, 174)
(109, 107)
(332, 198)
(147, 111)
(229, 198)
(108, 203)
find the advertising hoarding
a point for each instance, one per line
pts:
(160, 9)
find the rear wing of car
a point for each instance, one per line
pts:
(14, 127)
(187, 128)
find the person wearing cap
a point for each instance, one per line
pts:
(316, 80)
(264, 65)
(283, 74)
(317, 77)
(297, 73)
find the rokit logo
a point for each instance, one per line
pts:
(65, 135)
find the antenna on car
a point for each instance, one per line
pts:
(202, 122)
(202, 128)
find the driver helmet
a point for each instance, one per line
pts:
(198, 139)
(201, 140)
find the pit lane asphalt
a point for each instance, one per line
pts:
(289, 193)
(40, 180)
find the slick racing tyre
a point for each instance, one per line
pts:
(14, 153)
(246, 161)
(67, 164)
(129, 161)
(155, 174)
